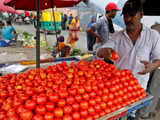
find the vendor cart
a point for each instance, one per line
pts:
(121, 113)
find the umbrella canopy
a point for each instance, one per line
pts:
(4, 8)
(44, 4)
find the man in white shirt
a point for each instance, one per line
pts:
(138, 47)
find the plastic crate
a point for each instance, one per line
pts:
(44, 25)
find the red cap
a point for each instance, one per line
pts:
(112, 6)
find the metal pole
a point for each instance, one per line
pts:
(38, 36)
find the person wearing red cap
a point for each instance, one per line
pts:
(103, 26)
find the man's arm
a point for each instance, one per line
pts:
(91, 32)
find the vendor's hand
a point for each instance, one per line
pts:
(148, 67)
(105, 53)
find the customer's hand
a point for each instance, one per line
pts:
(148, 67)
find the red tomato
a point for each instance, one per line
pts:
(89, 118)
(84, 105)
(58, 112)
(92, 102)
(85, 96)
(27, 115)
(75, 106)
(70, 100)
(40, 109)
(72, 91)
(49, 116)
(76, 116)
(67, 109)
(92, 94)
(30, 104)
(103, 105)
(53, 97)
(78, 98)
(97, 107)
(61, 102)
(114, 56)
(84, 113)
(49, 106)
(91, 110)
(41, 99)
(67, 117)
(81, 90)
(38, 117)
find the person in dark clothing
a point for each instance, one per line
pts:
(70, 19)
(91, 39)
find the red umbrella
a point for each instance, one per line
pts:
(40, 5)
(44, 4)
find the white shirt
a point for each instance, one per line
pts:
(147, 47)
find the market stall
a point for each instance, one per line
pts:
(67, 89)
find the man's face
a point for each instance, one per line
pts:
(93, 19)
(112, 13)
(132, 21)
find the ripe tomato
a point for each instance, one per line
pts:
(84, 105)
(30, 104)
(84, 113)
(76, 116)
(78, 98)
(67, 117)
(114, 56)
(49, 116)
(91, 110)
(92, 102)
(67, 109)
(70, 100)
(85, 96)
(27, 115)
(75, 106)
(40, 109)
(38, 117)
(61, 102)
(53, 97)
(41, 99)
(58, 112)
(50, 106)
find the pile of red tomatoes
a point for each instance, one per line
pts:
(79, 91)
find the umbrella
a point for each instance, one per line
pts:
(40, 5)
(44, 4)
(9, 9)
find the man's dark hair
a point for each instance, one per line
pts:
(132, 7)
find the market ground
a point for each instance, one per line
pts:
(9, 54)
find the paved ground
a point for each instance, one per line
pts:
(8, 54)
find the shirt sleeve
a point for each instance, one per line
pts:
(155, 53)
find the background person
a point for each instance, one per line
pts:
(91, 39)
(104, 25)
(8, 32)
(73, 31)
